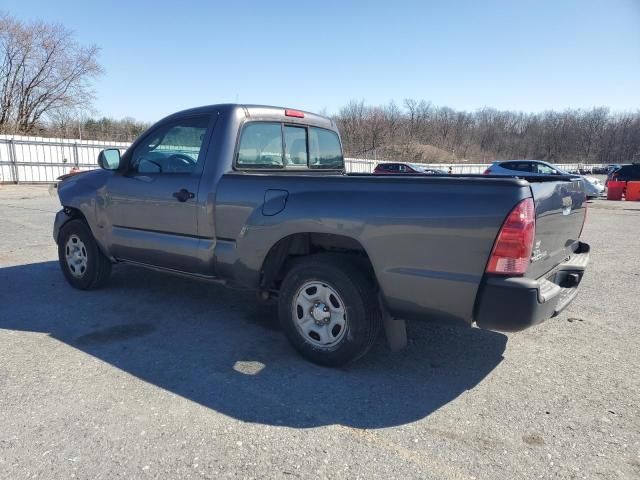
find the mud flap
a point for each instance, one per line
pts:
(395, 330)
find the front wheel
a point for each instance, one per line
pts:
(83, 264)
(329, 310)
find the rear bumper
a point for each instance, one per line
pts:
(516, 303)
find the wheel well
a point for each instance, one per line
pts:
(74, 213)
(286, 250)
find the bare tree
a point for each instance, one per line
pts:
(43, 71)
(351, 120)
(591, 129)
(392, 119)
(422, 132)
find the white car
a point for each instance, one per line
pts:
(593, 187)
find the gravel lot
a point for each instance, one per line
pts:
(164, 377)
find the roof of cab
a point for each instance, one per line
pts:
(262, 112)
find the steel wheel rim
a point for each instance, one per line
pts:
(319, 314)
(76, 256)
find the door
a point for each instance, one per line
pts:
(151, 209)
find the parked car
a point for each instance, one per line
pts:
(384, 168)
(625, 173)
(593, 187)
(613, 167)
(257, 197)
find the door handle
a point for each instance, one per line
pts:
(183, 195)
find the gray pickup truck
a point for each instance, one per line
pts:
(257, 197)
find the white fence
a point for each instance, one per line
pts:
(42, 160)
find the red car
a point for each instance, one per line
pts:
(408, 168)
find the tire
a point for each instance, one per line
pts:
(350, 297)
(88, 268)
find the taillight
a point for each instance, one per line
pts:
(511, 252)
(294, 113)
(487, 171)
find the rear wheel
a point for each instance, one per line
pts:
(83, 264)
(328, 308)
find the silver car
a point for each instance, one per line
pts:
(592, 185)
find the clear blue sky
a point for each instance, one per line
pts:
(160, 56)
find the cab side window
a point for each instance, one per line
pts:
(171, 148)
(519, 166)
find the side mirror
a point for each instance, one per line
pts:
(109, 159)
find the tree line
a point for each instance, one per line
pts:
(422, 132)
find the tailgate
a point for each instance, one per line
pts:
(560, 212)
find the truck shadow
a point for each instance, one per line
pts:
(220, 348)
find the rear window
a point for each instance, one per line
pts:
(276, 145)
(261, 146)
(295, 147)
(324, 149)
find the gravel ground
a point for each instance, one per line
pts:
(164, 377)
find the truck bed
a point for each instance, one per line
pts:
(428, 237)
